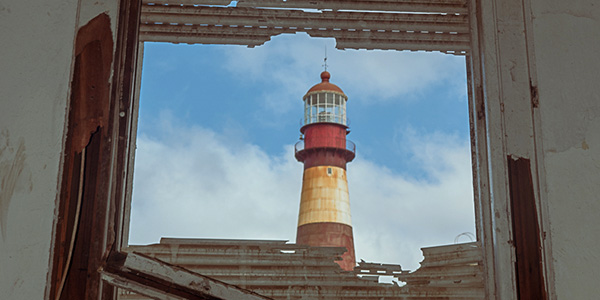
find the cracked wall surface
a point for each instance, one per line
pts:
(38, 44)
(32, 117)
(36, 62)
(566, 57)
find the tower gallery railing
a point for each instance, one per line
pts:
(338, 143)
(325, 119)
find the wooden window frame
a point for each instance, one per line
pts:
(503, 115)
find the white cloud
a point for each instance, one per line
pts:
(193, 182)
(288, 62)
(394, 216)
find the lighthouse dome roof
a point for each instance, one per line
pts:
(325, 85)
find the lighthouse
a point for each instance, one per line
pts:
(324, 218)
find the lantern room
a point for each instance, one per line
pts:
(325, 102)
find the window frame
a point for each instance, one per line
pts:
(496, 136)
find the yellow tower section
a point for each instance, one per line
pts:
(324, 196)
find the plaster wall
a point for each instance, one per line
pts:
(566, 56)
(37, 53)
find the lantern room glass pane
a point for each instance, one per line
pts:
(325, 107)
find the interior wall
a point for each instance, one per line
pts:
(37, 59)
(566, 56)
(538, 95)
(36, 63)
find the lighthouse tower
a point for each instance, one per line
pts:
(324, 218)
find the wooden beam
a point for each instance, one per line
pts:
(253, 23)
(157, 279)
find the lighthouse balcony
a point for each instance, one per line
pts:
(341, 146)
(326, 117)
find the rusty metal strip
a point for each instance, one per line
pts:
(526, 231)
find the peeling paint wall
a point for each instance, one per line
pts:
(538, 109)
(565, 37)
(562, 54)
(37, 51)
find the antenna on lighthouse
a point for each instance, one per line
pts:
(325, 59)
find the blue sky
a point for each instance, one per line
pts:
(218, 123)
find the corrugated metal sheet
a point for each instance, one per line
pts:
(400, 25)
(287, 271)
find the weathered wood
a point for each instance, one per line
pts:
(283, 271)
(407, 25)
(151, 277)
(526, 231)
(441, 6)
